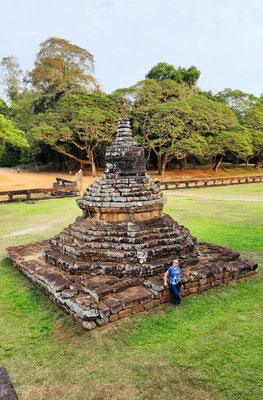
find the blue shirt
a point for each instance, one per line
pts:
(174, 275)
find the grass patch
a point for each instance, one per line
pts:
(210, 348)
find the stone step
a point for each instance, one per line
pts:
(130, 232)
(84, 253)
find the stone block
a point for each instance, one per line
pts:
(124, 313)
(137, 309)
(216, 283)
(120, 286)
(133, 296)
(102, 321)
(151, 304)
(204, 287)
(191, 284)
(89, 325)
(113, 317)
(205, 281)
(104, 310)
(166, 299)
(114, 305)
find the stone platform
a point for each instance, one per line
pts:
(109, 263)
(96, 300)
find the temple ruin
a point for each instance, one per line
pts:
(109, 263)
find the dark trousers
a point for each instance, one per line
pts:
(176, 290)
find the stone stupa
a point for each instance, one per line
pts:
(110, 262)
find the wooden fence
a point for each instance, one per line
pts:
(8, 196)
(209, 182)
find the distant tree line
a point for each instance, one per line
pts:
(59, 114)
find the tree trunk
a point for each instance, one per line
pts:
(217, 164)
(159, 161)
(163, 166)
(36, 166)
(92, 162)
(181, 164)
(258, 163)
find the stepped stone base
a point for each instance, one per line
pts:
(96, 300)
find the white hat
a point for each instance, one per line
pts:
(176, 261)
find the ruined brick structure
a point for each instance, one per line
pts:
(110, 262)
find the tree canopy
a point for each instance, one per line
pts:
(163, 71)
(77, 125)
(59, 113)
(11, 76)
(9, 134)
(61, 68)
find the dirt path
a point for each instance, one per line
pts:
(11, 180)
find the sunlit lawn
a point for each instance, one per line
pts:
(210, 348)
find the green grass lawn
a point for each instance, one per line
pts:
(210, 348)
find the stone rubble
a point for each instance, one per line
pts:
(110, 262)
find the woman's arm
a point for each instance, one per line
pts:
(165, 277)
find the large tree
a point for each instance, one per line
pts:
(176, 123)
(249, 111)
(170, 133)
(11, 74)
(236, 142)
(24, 118)
(77, 125)
(163, 71)
(252, 119)
(10, 134)
(61, 68)
(237, 100)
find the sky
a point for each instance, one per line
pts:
(223, 39)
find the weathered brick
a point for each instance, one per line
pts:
(193, 289)
(167, 292)
(216, 283)
(191, 284)
(89, 325)
(219, 276)
(205, 281)
(149, 305)
(124, 313)
(133, 296)
(104, 310)
(114, 305)
(137, 309)
(102, 321)
(113, 317)
(165, 299)
(205, 287)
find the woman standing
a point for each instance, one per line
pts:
(175, 281)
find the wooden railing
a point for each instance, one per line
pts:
(31, 194)
(210, 182)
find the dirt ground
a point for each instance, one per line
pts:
(11, 180)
